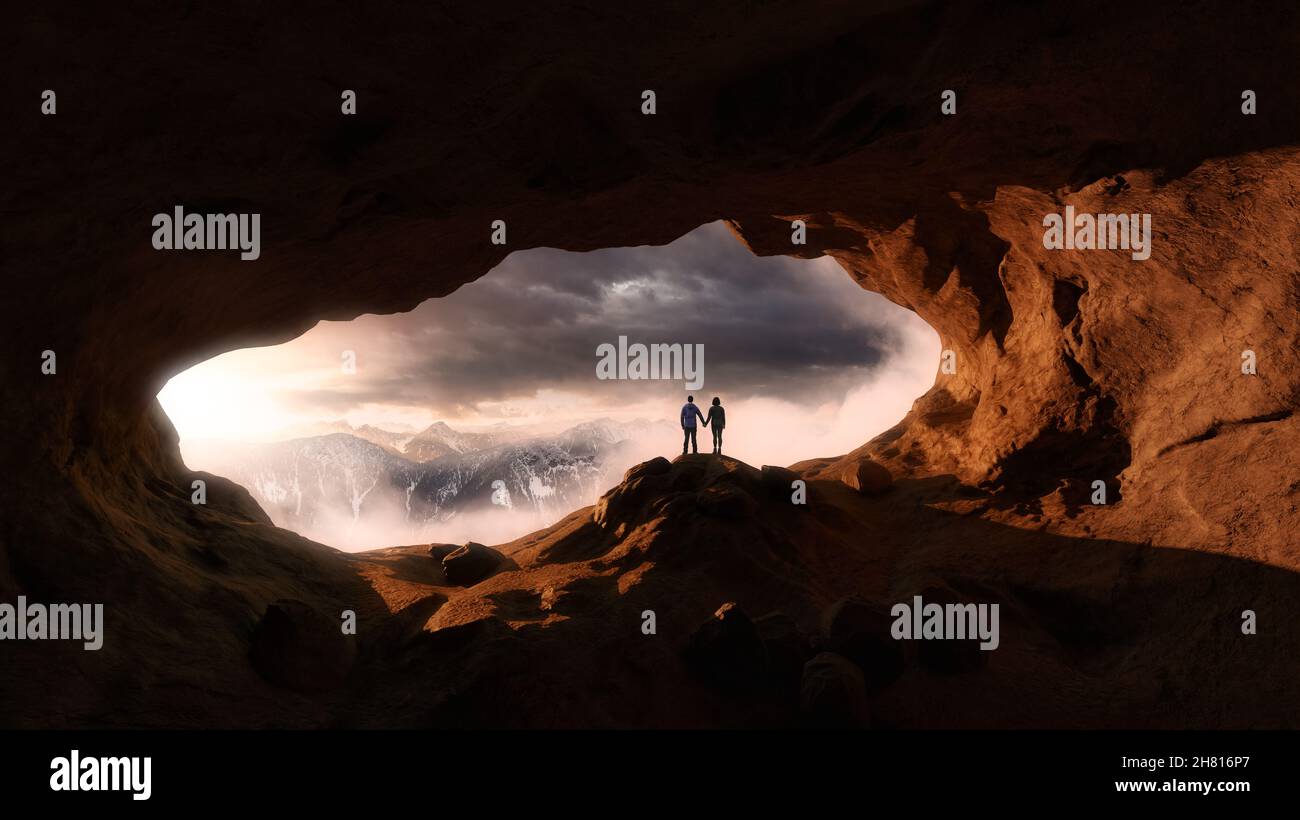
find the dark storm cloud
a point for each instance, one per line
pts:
(779, 327)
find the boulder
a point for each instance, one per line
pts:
(787, 648)
(471, 563)
(867, 477)
(726, 651)
(833, 694)
(440, 551)
(860, 631)
(655, 466)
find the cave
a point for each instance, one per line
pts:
(1068, 369)
(479, 416)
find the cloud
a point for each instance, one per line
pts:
(520, 344)
(796, 329)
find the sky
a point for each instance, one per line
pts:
(806, 362)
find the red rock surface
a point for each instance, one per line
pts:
(1071, 367)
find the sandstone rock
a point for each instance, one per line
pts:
(642, 484)
(440, 551)
(688, 477)
(296, 647)
(1070, 366)
(725, 502)
(471, 563)
(674, 504)
(788, 649)
(655, 466)
(860, 631)
(833, 694)
(726, 651)
(224, 494)
(578, 596)
(778, 480)
(551, 597)
(727, 471)
(949, 657)
(867, 477)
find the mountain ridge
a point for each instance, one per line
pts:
(346, 489)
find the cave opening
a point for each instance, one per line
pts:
(497, 410)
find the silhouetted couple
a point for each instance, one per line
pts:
(717, 417)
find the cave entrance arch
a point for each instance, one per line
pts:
(484, 415)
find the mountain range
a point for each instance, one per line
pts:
(361, 487)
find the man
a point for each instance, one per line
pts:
(689, 414)
(718, 417)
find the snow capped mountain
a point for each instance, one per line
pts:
(388, 439)
(370, 487)
(439, 439)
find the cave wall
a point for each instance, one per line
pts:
(1071, 367)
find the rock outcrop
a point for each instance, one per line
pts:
(472, 562)
(727, 650)
(866, 476)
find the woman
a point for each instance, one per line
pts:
(719, 418)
